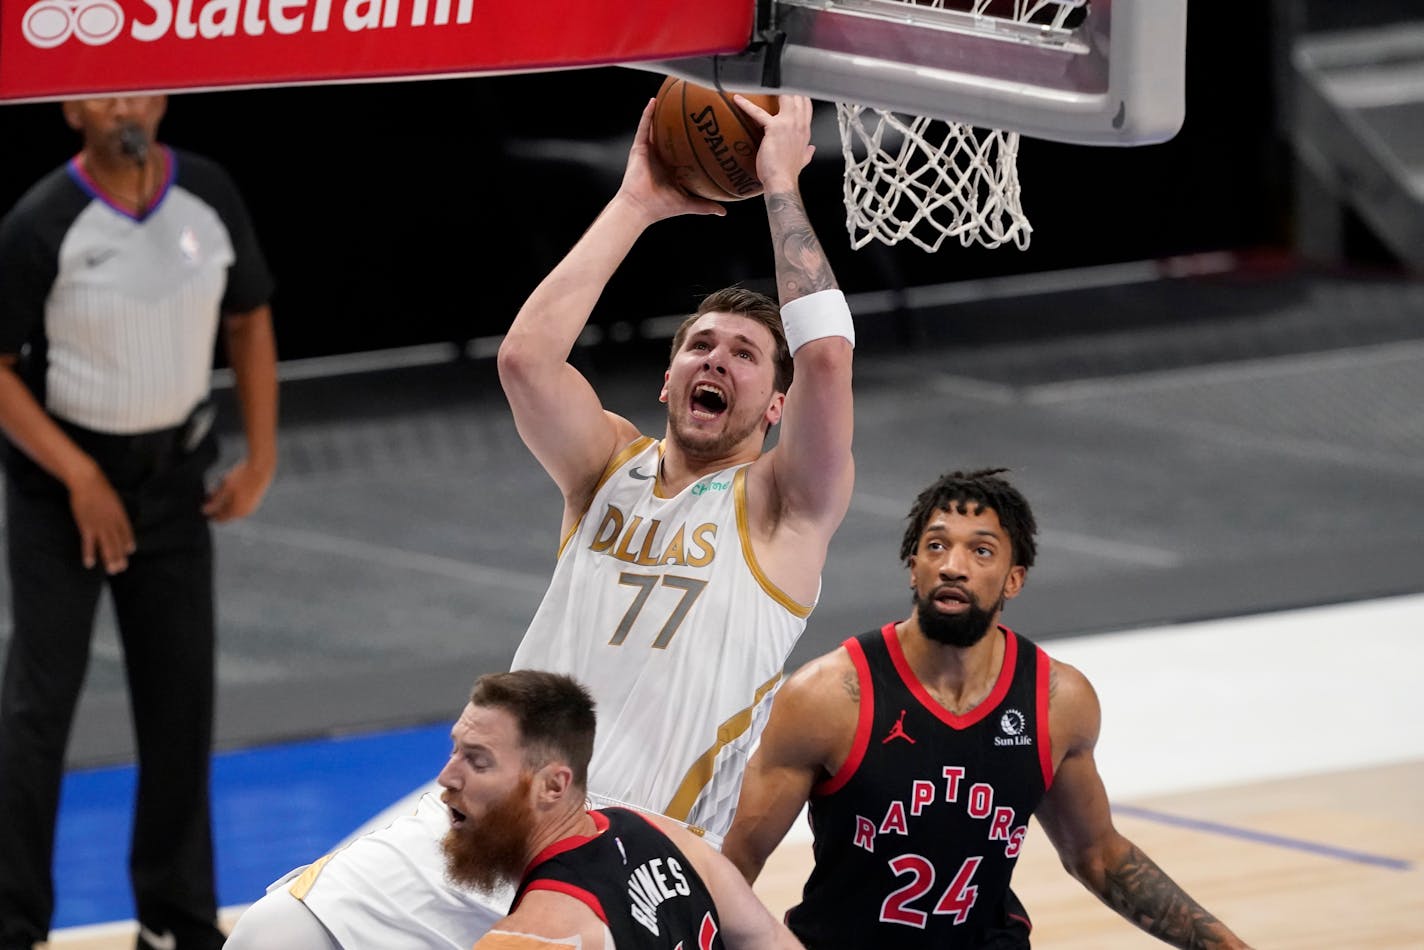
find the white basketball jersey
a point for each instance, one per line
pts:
(658, 606)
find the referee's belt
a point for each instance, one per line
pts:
(145, 453)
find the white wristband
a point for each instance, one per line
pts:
(822, 314)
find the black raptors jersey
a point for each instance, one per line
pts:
(635, 879)
(917, 834)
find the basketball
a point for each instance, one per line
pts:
(708, 143)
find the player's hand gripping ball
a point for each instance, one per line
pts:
(708, 143)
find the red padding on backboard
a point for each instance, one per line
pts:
(62, 48)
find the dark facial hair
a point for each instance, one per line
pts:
(493, 852)
(962, 630)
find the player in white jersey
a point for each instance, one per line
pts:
(687, 566)
(660, 602)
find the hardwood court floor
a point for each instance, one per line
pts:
(1320, 861)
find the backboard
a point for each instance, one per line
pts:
(1098, 72)
(1093, 72)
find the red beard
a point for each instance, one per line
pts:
(493, 852)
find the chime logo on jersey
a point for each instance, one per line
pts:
(651, 883)
(702, 488)
(977, 800)
(650, 544)
(49, 23)
(1013, 724)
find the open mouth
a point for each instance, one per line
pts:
(457, 817)
(951, 599)
(708, 402)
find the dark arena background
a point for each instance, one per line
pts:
(419, 212)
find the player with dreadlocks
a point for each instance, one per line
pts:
(923, 748)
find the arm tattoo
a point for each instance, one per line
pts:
(852, 686)
(1052, 680)
(801, 265)
(1140, 891)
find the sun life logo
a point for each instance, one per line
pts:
(1013, 724)
(50, 22)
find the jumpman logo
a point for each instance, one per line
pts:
(897, 731)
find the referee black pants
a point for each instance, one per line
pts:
(163, 602)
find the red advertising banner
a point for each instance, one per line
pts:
(63, 48)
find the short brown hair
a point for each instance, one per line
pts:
(754, 306)
(554, 712)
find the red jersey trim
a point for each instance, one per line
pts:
(1045, 734)
(862, 727)
(979, 712)
(600, 821)
(570, 890)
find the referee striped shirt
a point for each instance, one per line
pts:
(115, 314)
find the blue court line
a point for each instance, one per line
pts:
(1261, 837)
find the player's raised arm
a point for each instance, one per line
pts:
(558, 414)
(811, 468)
(1078, 821)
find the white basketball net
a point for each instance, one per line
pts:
(922, 179)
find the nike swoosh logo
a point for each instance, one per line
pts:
(639, 475)
(166, 941)
(96, 258)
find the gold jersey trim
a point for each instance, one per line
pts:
(700, 772)
(302, 886)
(617, 462)
(739, 488)
(658, 485)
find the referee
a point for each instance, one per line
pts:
(116, 271)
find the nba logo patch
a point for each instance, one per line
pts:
(188, 245)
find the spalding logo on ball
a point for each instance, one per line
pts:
(709, 144)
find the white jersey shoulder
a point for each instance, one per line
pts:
(659, 606)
